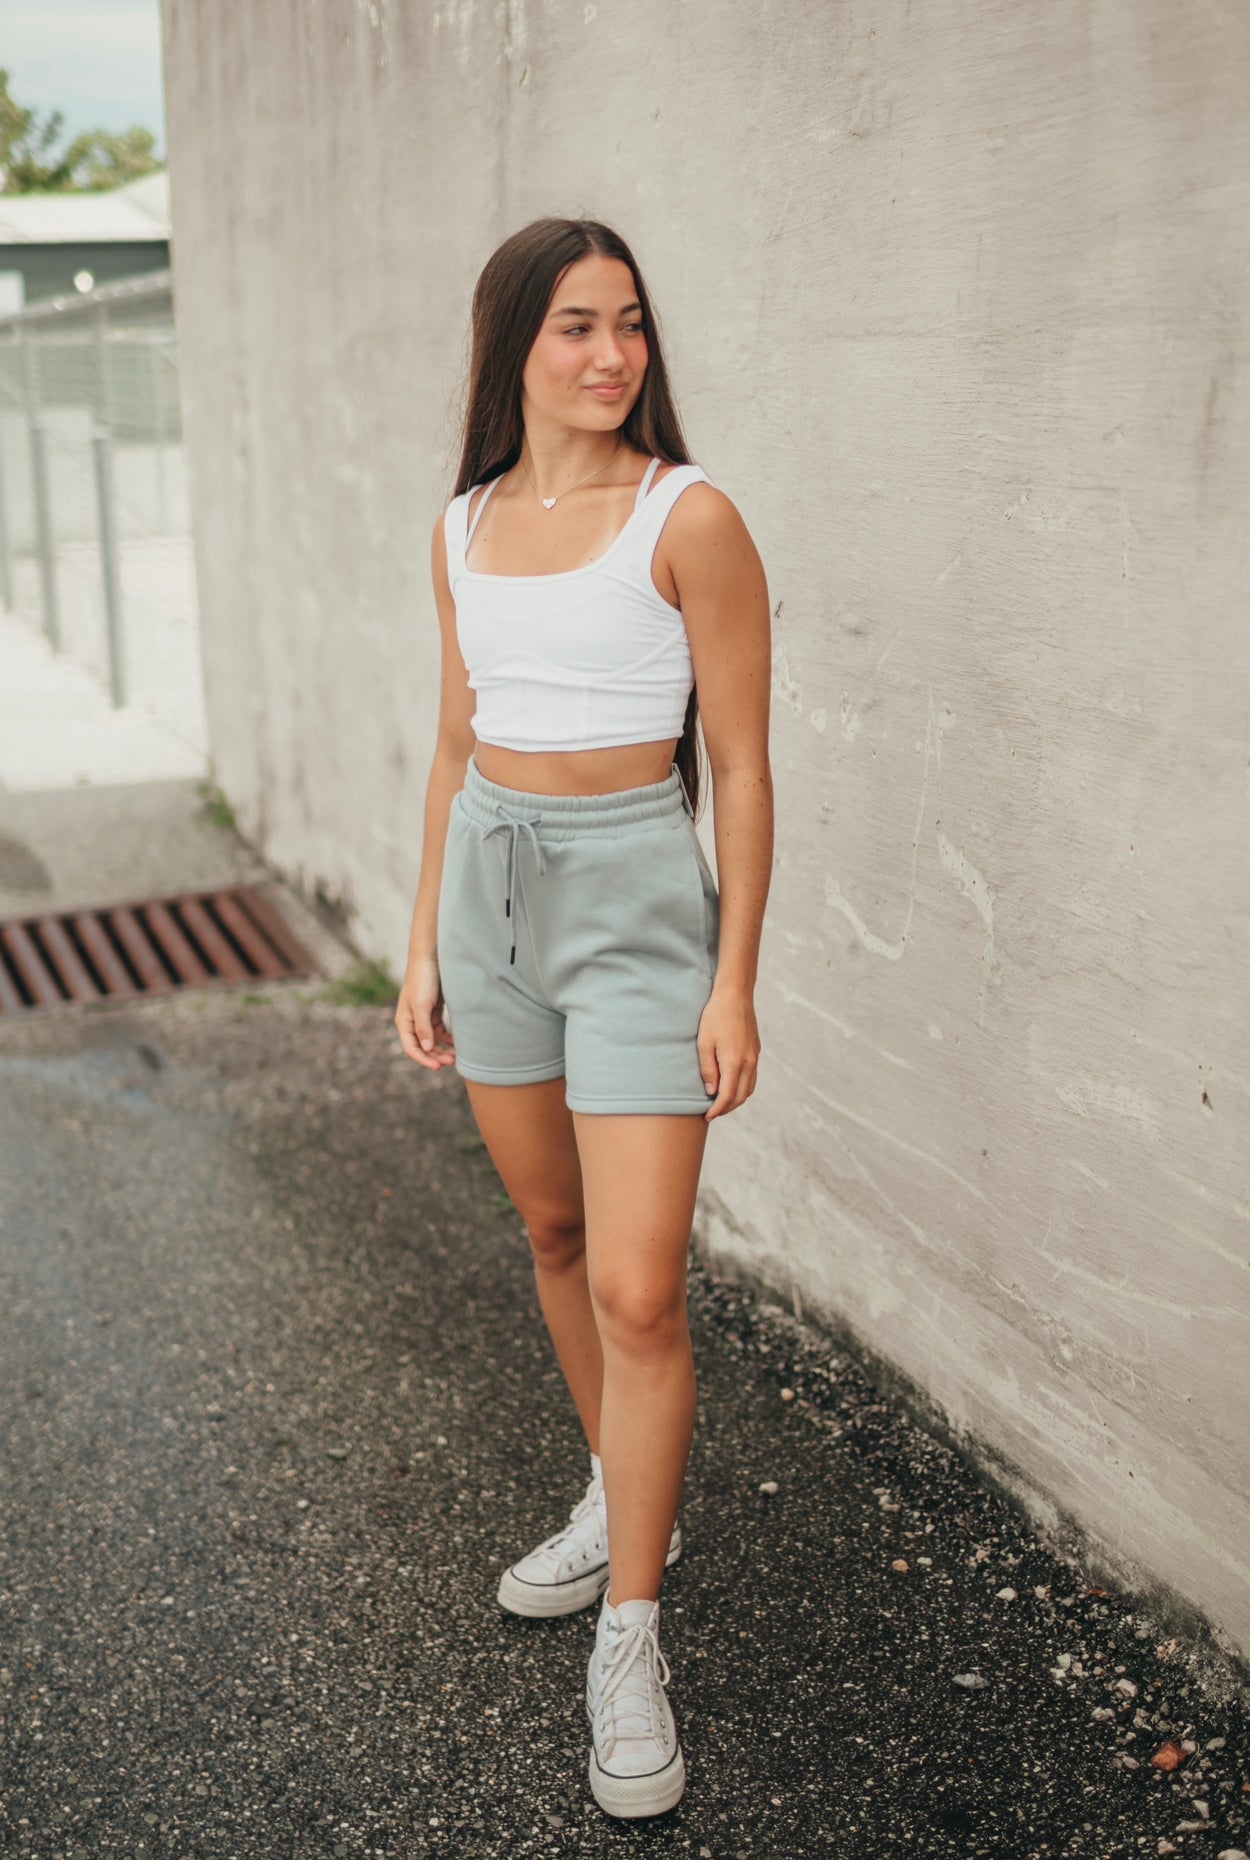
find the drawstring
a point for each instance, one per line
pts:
(513, 826)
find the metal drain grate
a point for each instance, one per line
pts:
(126, 951)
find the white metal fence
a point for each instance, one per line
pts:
(95, 535)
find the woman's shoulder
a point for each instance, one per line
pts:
(701, 505)
(452, 505)
(689, 481)
(454, 517)
(449, 528)
(702, 526)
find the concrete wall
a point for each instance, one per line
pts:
(956, 303)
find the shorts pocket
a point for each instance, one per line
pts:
(709, 918)
(451, 845)
(451, 900)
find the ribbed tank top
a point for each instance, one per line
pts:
(588, 658)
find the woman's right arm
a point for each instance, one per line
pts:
(419, 1015)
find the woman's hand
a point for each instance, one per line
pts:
(729, 1047)
(419, 1016)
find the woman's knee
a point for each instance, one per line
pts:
(640, 1317)
(557, 1239)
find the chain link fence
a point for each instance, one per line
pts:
(95, 532)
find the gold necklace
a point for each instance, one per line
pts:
(547, 502)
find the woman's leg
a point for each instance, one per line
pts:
(528, 1130)
(640, 1177)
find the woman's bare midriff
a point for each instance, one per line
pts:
(577, 771)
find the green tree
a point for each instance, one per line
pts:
(30, 161)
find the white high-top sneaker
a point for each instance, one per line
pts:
(636, 1764)
(570, 1570)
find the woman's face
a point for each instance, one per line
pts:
(592, 334)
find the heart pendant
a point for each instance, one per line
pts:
(548, 502)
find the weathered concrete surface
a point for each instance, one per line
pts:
(58, 727)
(75, 848)
(954, 302)
(276, 1406)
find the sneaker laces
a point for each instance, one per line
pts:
(634, 1673)
(562, 1547)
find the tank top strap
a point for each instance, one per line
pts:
(477, 514)
(645, 486)
(652, 510)
(453, 535)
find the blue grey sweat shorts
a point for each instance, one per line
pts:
(578, 938)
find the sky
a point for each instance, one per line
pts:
(98, 61)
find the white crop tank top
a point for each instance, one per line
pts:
(588, 658)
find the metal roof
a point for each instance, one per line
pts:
(137, 211)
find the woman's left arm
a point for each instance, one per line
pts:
(723, 596)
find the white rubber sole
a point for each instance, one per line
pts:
(542, 1601)
(631, 1797)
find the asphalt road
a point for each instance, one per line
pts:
(276, 1407)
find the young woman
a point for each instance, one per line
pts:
(590, 581)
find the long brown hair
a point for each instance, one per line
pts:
(510, 300)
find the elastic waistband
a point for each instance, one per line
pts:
(488, 802)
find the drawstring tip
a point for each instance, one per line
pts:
(507, 907)
(512, 957)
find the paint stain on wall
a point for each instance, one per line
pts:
(786, 686)
(974, 888)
